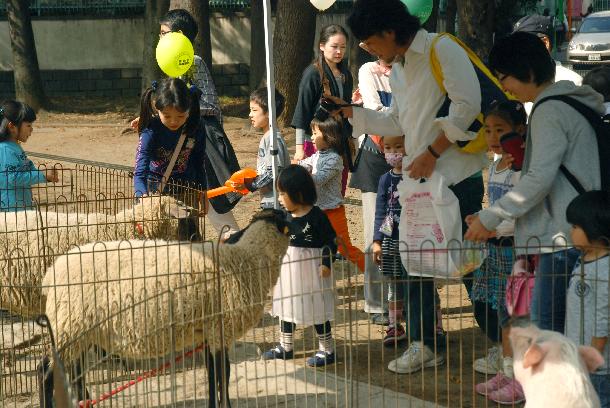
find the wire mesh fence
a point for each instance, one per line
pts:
(87, 204)
(152, 320)
(142, 322)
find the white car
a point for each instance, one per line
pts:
(591, 44)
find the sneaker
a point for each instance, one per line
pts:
(497, 382)
(416, 357)
(278, 353)
(321, 359)
(380, 319)
(491, 364)
(510, 394)
(393, 335)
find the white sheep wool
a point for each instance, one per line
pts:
(125, 296)
(31, 240)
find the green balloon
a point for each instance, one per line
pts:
(419, 8)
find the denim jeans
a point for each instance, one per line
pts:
(601, 383)
(420, 307)
(422, 294)
(552, 275)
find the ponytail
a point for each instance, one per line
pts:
(14, 112)
(146, 108)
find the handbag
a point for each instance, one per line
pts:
(519, 289)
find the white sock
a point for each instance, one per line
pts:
(507, 365)
(286, 341)
(326, 343)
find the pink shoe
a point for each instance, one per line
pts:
(510, 394)
(497, 382)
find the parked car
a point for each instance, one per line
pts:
(591, 43)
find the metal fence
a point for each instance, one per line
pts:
(141, 323)
(86, 204)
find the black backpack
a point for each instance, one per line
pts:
(601, 125)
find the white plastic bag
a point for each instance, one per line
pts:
(430, 231)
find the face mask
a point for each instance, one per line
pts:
(393, 159)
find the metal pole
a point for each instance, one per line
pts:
(271, 96)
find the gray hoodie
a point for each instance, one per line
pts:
(557, 134)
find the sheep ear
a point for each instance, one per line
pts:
(534, 355)
(591, 357)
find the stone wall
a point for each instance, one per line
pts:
(230, 80)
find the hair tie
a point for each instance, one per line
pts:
(193, 89)
(153, 85)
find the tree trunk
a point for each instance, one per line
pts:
(432, 24)
(294, 34)
(200, 10)
(450, 16)
(155, 9)
(257, 44)
(476, 25)
(28, 82)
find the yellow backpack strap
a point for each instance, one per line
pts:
(437, 70)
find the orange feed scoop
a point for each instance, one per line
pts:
(238, 178)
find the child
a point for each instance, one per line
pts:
(326, 167)
(385, 237)
(599, 79)
(17, 172)
(176, 113)
(259, 118)
(490, 279)
(221, 156)
(588, 309)
(304, 291)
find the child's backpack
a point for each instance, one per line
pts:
(601, 125)
(491, 91)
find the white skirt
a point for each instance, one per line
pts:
(300, 295)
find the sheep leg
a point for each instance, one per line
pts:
(45, 383)
(210, 364)
(79, 380)
(222, 359)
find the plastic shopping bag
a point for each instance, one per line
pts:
(430, 231)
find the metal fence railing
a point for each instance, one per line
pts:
(152, 323)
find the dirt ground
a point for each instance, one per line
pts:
(96, 130)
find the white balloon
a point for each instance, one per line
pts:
(322, 4)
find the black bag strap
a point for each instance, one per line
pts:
(590, 115)
(360, 149)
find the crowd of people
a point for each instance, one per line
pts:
(546, 209)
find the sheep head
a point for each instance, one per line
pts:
(153, 216)
(269, 231)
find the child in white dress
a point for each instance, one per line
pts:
(304, 291)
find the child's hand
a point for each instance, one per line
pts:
(377, 252)
(52, 175)
(324, 271)
(299, 154)
(134, 123)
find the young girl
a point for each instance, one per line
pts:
(304, 291)
(326, 166)
(385, 237)
(176, 113)
(17, 172)
(587, 311)
(329, 74)
(490, 279)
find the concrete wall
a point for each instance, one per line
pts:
(117, 43)
(104, 56)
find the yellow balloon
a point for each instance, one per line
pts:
(174, 54)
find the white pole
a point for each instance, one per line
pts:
(271, 97)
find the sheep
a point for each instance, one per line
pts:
(30, 240)
(89, 287)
